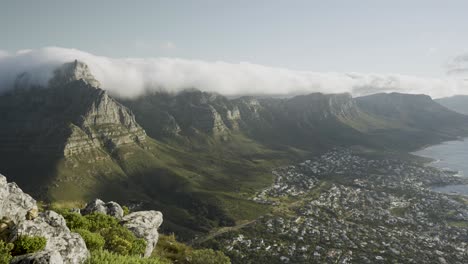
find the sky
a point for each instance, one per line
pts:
(389, 39)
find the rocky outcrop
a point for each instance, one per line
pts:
(20, 217)
(144, 224)
(71, 116)
(208, 120)
(42, 257)
(164, 114)
(73, 71)
(52, 226)
(14, 204)
(109, 208)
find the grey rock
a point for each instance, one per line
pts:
(98, 206)
(144, 224)
(73, 71)
(14, 203)
(20, 216)
(95, 206)
(42, 257)
(114, 209)
(52, 226)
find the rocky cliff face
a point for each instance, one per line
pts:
(185, 113)
(103, 122)
(72, 116)
(72, 71)
(193, 111)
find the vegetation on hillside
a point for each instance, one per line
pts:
(109, 242)
(22, 245)
(5, 252)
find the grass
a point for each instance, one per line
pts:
(399, 211)
(169, 249)
(462, 224)
(199, 184)
(106, 257)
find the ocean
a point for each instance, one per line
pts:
(450, 155)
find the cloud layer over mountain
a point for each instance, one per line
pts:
(459, 66)
(129, 77)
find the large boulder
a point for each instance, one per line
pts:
(52, 226)
(20, 217)
(98, 206)
(42, 257)
(144, 224)
(14, 203)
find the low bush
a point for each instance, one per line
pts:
(5, 255)
(170, 249)
(209, 256)
(110, 242)
(126, 210)
(106, 257)
(28, 244)
(120, 240)
(76, 221)
(98, 221)
(94, 241)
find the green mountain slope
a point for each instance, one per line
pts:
(457, 103)
(414, 120)
(198, 157)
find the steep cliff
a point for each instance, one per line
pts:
(71, 116)
(187, 113)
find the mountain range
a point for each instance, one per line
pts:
(197, 156)
(458, 103)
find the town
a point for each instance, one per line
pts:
(348, 208)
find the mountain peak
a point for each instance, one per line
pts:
(73, 71)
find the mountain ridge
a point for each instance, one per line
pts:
(199, 156)
(457, 103)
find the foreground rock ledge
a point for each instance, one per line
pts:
(62, 245)
(144, 224)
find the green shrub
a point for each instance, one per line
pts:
(28, 244)
(98, 221)
(106, 257)
(138, 247)
(170, 249)
(120, 240)
(209, 256)
(94, 241)
(126, 210)
(76, 221)
(5, 255)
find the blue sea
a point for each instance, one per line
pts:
(450, 155)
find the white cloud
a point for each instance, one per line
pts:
(130, 77)
(458, 66)
(23, 51)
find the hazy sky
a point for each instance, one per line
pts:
(412, 37)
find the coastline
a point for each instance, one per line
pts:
(460, 188)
